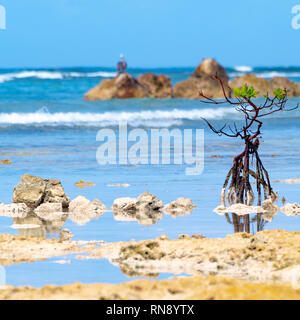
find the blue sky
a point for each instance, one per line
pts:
(151, 33)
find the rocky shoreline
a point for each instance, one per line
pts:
(268, 256)
(190, 288)
(149, 85)
(240, 266)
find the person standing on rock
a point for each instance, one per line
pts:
(122, 65)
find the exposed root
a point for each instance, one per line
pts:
(240, 191)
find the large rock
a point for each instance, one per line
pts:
(292, 87)
(266, 86)
(159, 86)
(201, 80)
(34, 191)
(123, 86)
(30, 191)
(191, 88)
(260, 84)
(210, 67)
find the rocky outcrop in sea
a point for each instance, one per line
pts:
(149, 85)
(125, 86)
(201, 80)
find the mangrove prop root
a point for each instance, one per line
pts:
(237, 182)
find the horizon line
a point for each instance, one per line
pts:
(146, 67)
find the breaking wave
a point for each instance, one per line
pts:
(278, 74)
(289, 72)
(156, 118)
(52, 75)
(243, 69)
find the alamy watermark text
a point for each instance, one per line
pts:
(155, 147)
(296, 17)
(2, 18)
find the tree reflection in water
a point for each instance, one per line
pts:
(240, 225)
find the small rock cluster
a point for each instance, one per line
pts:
(147, 209)
(43, 203)
(39, 200)
(268, 209)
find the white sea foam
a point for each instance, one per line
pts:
(102, 74)
(268, 74)
(147, 118)
(4, 77)
(272, 74)
(243, 68)
(60, 75)
(30, 74)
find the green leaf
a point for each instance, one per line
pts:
(279, 94)
(237, 92)
(244, 90)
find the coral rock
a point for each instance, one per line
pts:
(82, 210)
(34, 191)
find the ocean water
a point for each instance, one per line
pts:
(46, 129)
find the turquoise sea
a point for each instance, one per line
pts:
(46, 129)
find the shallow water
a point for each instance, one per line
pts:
(47, 130)
(41, 273)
